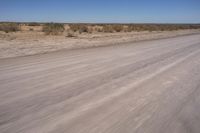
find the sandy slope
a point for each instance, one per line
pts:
(148, 87)
(35, 42)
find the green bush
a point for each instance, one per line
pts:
(9, 27)
(53, 28)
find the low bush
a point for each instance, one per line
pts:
(107, 28)
(118, 28)
(159, 27)
(31, 29)
(69, 34)
(98, 29)
(9, 27)
(113, 28)
(34, 24)
(79, 28)
(53, 28)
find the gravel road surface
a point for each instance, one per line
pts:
(143, 87)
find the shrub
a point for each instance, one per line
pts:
(79, 28)
(130, 28)
(99, 29)
(74, 27)
(33, 24)
(108, 28)
(70, 35)
(53, 28)
(9, 27)
(31, 29)
(118, 28)
(83, 28)
(113, 28)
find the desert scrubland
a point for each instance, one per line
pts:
(21, 39)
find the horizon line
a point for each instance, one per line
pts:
(98, 22)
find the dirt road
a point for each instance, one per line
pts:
(145, 87)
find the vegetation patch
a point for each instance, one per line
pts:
(9, 27)
(79, 28)
(53, 28)
(33, 24)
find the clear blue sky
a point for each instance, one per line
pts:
(124, 11)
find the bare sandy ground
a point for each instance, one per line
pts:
(143, 87)
(35, 42)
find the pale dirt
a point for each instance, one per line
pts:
(143, 87)
(35, 42)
